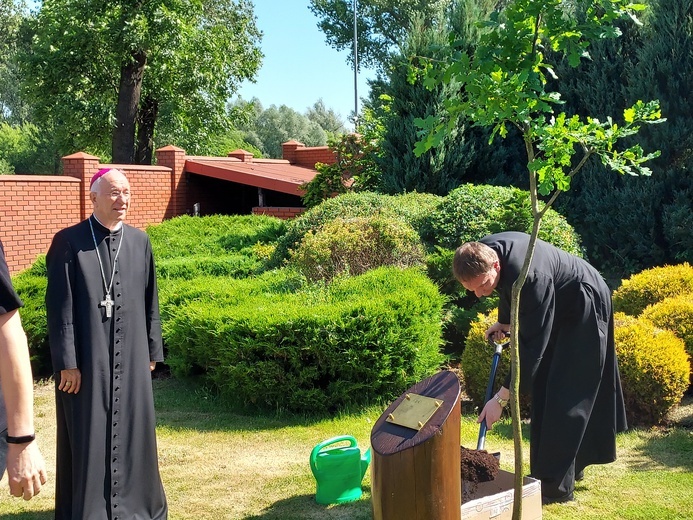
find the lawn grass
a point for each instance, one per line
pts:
(220, 464)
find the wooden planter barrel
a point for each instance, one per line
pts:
(415, 474)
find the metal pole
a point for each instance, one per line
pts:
(356, 71)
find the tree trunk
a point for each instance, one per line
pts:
(146, 118)
(129, 91)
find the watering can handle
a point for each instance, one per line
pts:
(328, 442)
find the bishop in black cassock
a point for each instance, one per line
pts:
(105, 338)
(567, 353)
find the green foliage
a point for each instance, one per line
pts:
(438, 170)
(381, 25)
(31, 288)
(654, 369)
(352, 246)
(277, 125)
(651, 217)
(674, 314)
(25, 150)
(360, 340)
(412, 208)
(652, 286)
(212, 236)
(192, 266)
(327, 119)
(196, 53)
(470, 212)
(352, 171)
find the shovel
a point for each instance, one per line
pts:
(489, 392)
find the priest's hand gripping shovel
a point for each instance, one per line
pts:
(489, 393)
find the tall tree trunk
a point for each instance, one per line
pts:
(146, 119)
(123, 146)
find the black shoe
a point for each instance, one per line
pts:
(557, 500)
(580, 475)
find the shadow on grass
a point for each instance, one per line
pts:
(304, 506)
(188, 404)
(673, 448)
(29, 515)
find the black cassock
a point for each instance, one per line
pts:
(107, 464)
(567, 359)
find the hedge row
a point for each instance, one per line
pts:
(359, 340)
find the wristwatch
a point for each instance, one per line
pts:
(501, 401)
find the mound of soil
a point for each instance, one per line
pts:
(476, 466)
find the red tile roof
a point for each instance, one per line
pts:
(272, 174)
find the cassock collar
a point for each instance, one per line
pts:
(106, 230)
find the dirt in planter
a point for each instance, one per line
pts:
(476, 466)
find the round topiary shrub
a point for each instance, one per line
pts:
(411, 208)
(654, 369)
(652, 286)
(356, 245)
(674, 314)
(471, 212)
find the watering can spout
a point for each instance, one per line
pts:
(365, 461)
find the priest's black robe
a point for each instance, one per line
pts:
(567, 359)
(107, 464)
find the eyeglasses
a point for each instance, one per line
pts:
(114, 194)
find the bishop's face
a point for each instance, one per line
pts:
(112, 199)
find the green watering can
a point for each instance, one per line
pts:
(338, 470)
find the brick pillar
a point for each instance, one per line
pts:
(289, 150)
(242, 155)
(82, 166)
(174, 158)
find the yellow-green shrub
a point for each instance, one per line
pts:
(652, 286)
(476, 363)
(356, 245)
(676, 315)
(654, 369)
(476, 360)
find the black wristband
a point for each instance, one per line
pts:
(24, 439)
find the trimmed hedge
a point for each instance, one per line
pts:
(31, 288)
(654, 369)
(355, 245)
(653, 364)
(359, 340)
(652, 286)
(412, 208)
(470, 212)
(674, 314)
(212, 236)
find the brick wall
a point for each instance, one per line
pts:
(297, 153)
(32, 209)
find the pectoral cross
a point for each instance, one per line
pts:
(108, 303)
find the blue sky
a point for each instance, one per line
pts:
(291, 42)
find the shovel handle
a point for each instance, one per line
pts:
(483, 427)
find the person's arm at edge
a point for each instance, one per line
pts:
(25, 465)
